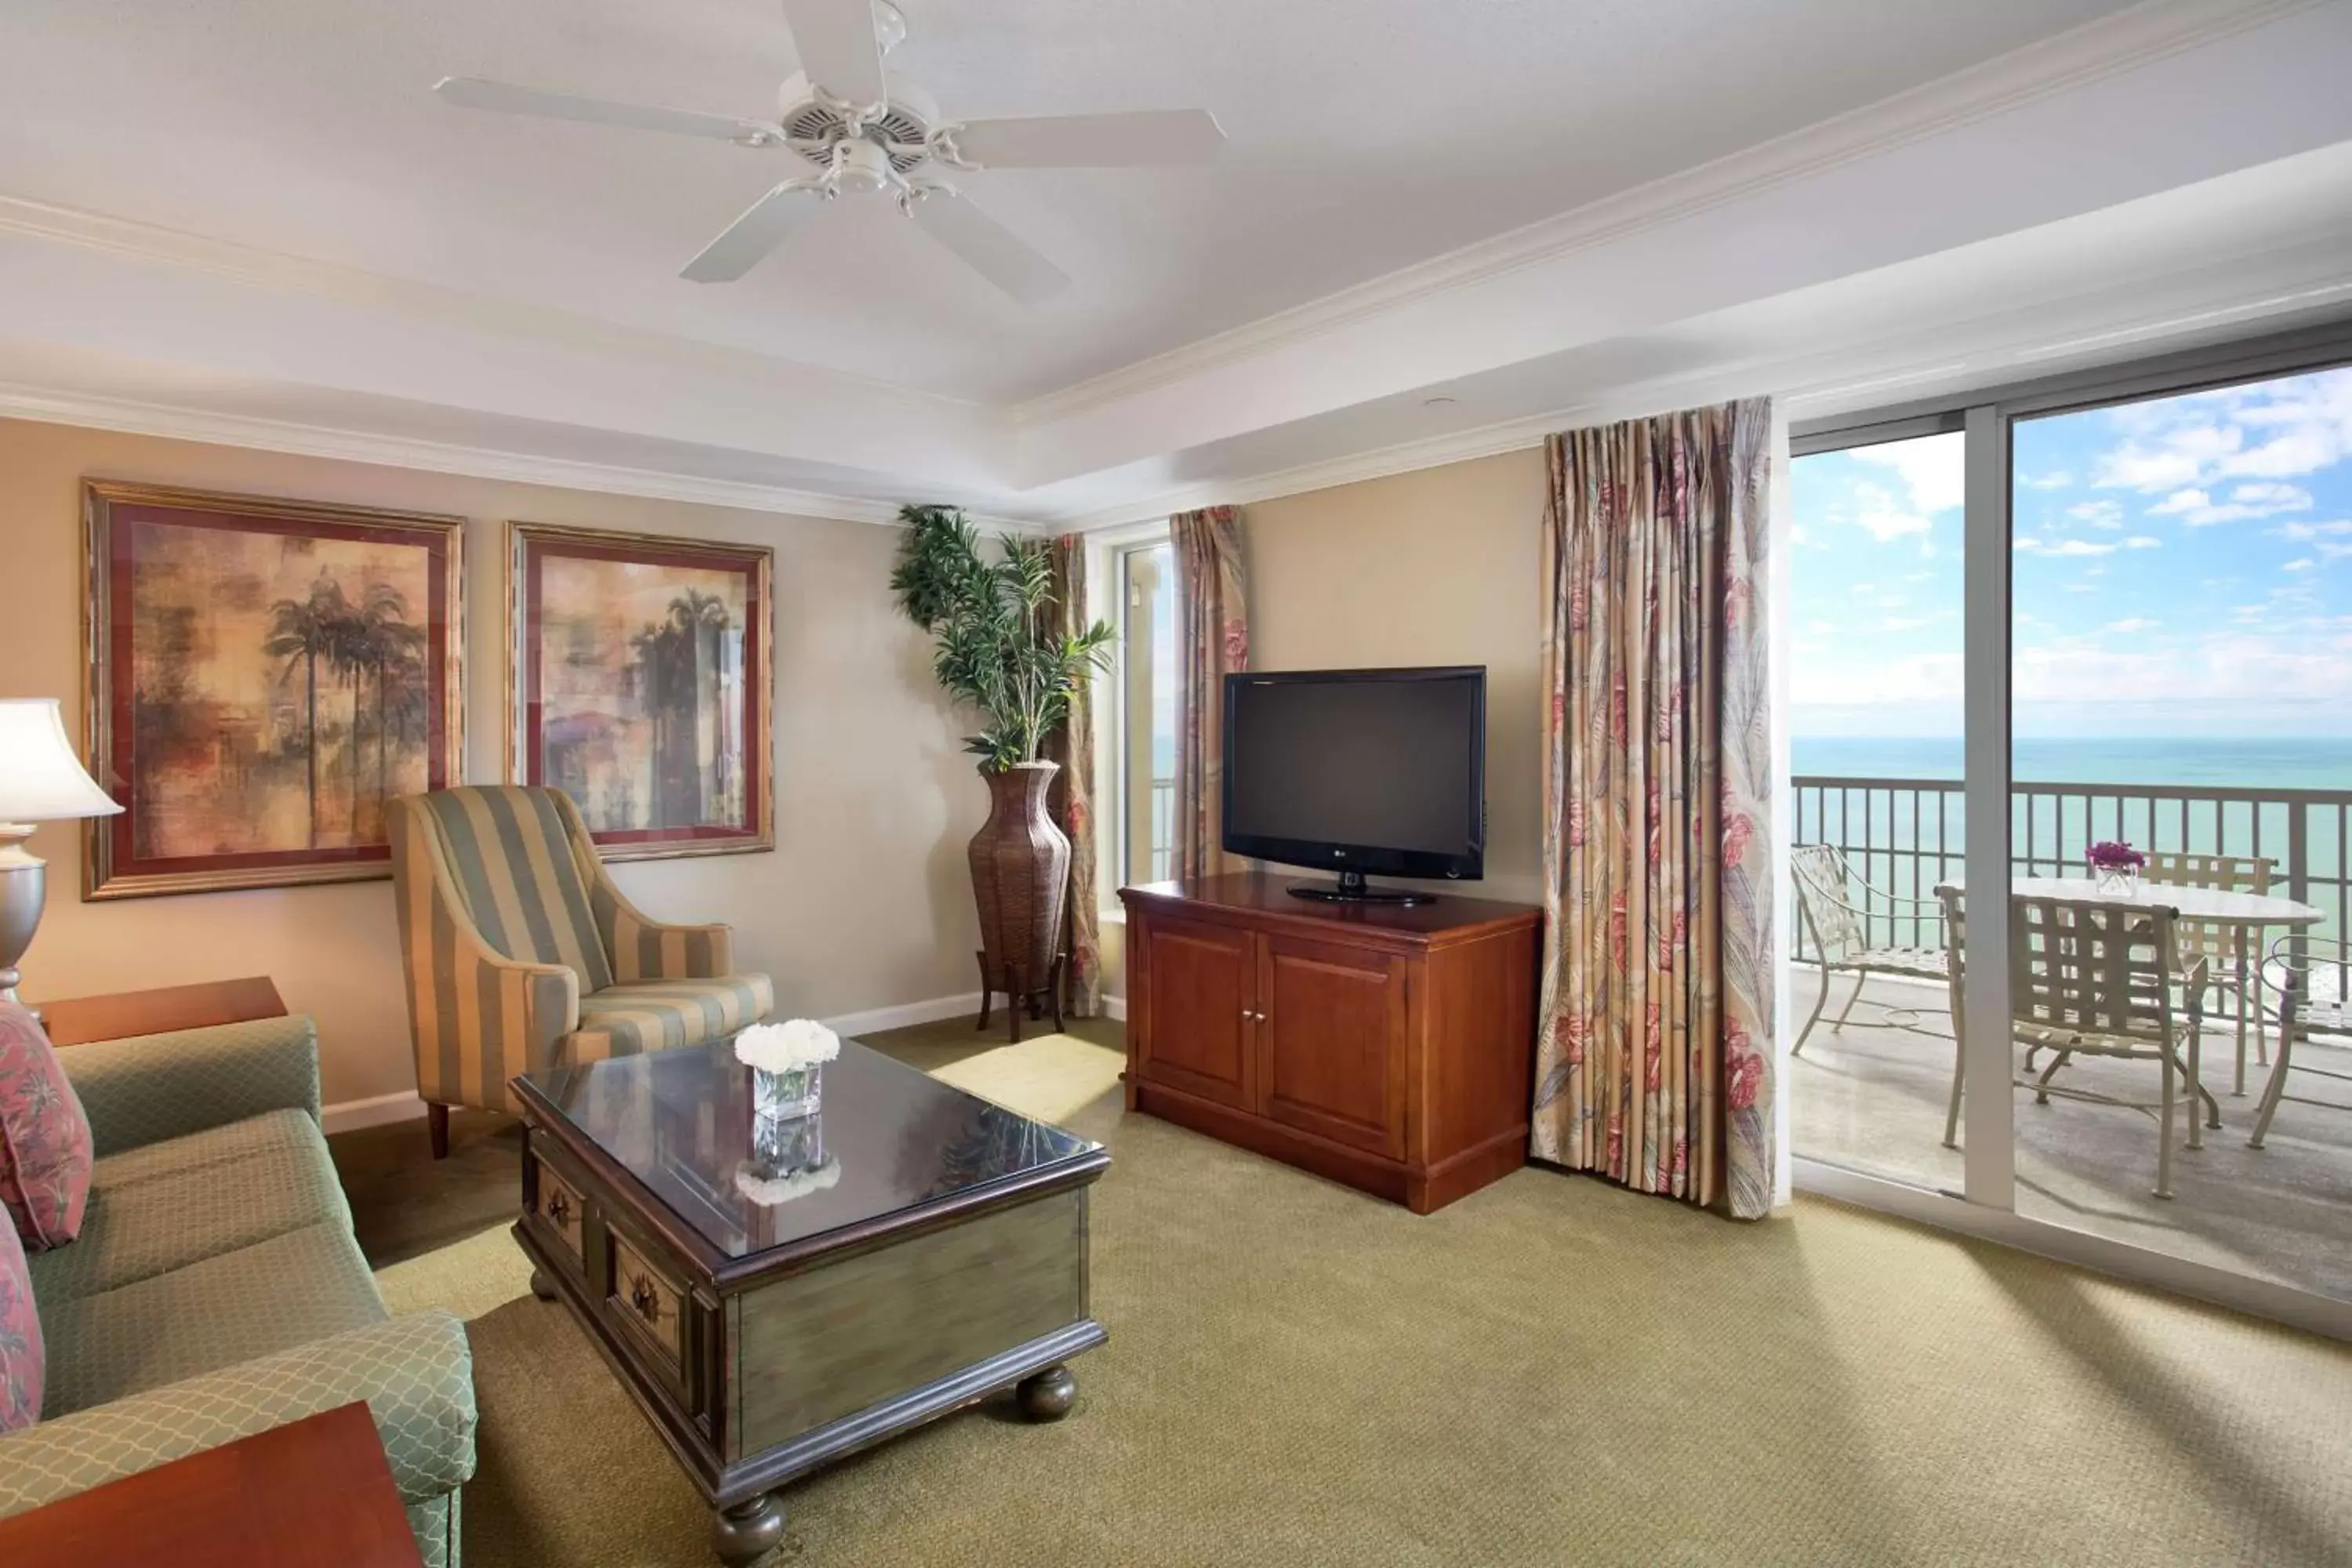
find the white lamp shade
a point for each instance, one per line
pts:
(40, 778)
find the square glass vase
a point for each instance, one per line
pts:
(782, 1096)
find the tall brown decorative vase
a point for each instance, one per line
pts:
(1021, 879)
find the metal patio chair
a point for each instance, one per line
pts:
(2093, 978)
(2228, 950)
(2302, 1013)
(1839, 929)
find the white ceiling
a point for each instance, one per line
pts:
(1365, 135)
(251, 212)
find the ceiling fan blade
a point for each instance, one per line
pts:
(838, 47)
(505, 98)
(746, 241)
(990, 248)
(1155, 136)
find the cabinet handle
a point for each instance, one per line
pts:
(642, 1297)
(559, 1207)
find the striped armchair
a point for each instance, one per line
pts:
(522, 953)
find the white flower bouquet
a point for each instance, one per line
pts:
(787, 1062)
(787, 1046)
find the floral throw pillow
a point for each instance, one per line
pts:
(45, 1145)
(21, 1358)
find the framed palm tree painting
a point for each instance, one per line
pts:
(265, 676)
(640, 685)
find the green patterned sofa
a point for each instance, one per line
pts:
(215, 1290)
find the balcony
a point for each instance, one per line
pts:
(1871, 1096)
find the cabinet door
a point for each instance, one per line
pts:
(1331, 1030)
(1199, 1003)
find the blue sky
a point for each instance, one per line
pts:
(2182, 566)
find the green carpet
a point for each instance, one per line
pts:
(1553, 1371)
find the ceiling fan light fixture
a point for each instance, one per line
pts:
(849, 123)
(859, 165)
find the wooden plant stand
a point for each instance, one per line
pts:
(1013, 982)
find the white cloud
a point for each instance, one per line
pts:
(2065, 546)
(1933, 469)
(2300, 563)
(2057, 479)
(1905, 623)
(2197, 507)
(2143, 541)
(1905, 682)
(2268, 430)
(2097, 513)
(2131, 624)
(2177, 458)
(1884, 519)
(2304, 531)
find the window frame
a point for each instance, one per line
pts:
(1121, 552)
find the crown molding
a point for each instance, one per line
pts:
(257, 268)
(1947, 359)
(136, 417)
(2096, 50)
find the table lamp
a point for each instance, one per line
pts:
(40, 781)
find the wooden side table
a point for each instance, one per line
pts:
(315, 1490)
(83, 1019)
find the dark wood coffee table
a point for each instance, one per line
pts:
(941, 1256)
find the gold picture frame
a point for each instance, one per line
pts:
(659, 720)
(194, 623)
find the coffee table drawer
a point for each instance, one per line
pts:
(555, 1201)
(654, 1307)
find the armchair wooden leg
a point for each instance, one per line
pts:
(437, 1119)
(986, 991)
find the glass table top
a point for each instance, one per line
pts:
(888, 1139)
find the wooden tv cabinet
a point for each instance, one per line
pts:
(1389, 1048)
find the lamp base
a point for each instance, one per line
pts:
(23, 878)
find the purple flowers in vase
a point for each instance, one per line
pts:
(2115, 867)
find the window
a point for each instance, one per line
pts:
(2096, 610)
(1146, 766)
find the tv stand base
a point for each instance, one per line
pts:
(1351, 888)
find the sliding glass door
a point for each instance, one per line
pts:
(2102, 619)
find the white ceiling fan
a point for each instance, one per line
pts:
(856, 127)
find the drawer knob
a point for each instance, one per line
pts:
(559, 1207)
(643, 1298)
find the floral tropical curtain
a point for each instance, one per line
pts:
(1072, 802)
(1213, 627)
(1654, 1061)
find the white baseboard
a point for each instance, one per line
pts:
(354, 1114)
(1115, 1007)
(906, 1014)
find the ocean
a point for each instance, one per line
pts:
(1906, 840)
(2284, 762)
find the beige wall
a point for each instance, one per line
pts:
(864, 902)
(1438, 566)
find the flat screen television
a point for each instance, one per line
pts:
(1380, 772)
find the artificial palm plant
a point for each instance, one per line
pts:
(998, 649)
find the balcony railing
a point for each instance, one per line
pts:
(1904, 836)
